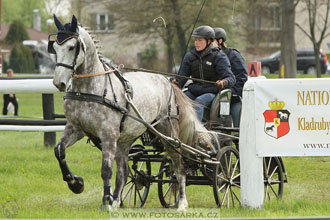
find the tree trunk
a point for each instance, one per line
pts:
(178, 26)
(317, 60)
(170, 56)
(288, 44)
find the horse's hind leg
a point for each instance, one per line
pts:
(179, 170)
(69, 137)
(178, 164)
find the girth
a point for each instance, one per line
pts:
(98, 99)
(86, 97)
(95, 98)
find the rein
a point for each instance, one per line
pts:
(169, 74)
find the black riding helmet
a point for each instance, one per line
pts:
(220, 33)
(204, 32)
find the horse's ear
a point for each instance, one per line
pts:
(74, 24)
(58, 24)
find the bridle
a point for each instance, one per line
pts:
(74, 62)
(77, 48)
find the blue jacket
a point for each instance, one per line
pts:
(222, 69)
(239, 69)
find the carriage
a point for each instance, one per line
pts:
(115, 109)
(222, 174)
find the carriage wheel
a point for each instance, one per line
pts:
(226, 181)
(168, 186)
(273, 178)
(136, 190)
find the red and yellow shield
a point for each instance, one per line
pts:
(277, 123)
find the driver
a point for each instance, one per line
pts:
(205, 62)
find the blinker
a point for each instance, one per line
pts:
(51, 47)
(51, 44)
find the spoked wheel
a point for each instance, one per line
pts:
(273, 178)
(168, 186)
(226, 182)
(136, 190)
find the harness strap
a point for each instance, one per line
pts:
(127, 87)
(103, 101)
(95, 98)
(65, 65)
(128, 90)
(92, 74)
(164, 118)
(169, 112)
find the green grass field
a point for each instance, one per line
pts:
(31, 183)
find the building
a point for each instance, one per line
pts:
(34, 35)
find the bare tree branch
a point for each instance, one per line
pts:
(325, 23)
(318, 26)
(305, 32)
(327, 35)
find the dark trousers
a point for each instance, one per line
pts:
(6, 100)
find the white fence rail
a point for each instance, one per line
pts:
(45, 128)
(27, 86)
(44, 86)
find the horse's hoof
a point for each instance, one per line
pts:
(107, 199)
(77, 186)
(183, 206)
(116, 204)
(182, 209)
(106, 208)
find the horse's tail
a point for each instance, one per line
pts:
(189, 124)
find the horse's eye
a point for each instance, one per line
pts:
(71, 48)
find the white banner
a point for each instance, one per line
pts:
(292, 117)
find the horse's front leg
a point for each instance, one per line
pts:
(70, 136)
(108, 154)
(122, 172)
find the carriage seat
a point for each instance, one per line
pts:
(216, 117)
(218, 114)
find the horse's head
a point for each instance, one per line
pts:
(69, 48)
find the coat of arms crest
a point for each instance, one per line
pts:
(276, 119)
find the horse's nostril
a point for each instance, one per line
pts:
(62, 87)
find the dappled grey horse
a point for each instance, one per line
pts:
(96, 106)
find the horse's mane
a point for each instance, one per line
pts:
(95, 41)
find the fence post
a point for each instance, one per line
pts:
(252, 186)
(48, 113)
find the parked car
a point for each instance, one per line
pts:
(305, 62)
